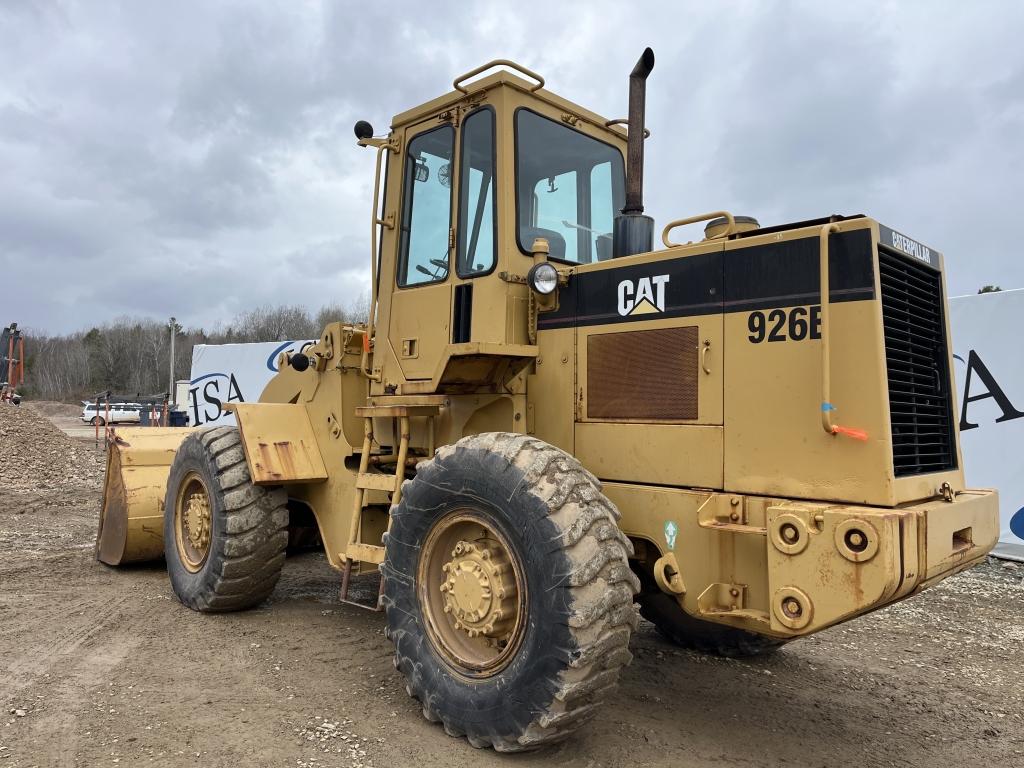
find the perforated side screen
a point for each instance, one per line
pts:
(643, 375)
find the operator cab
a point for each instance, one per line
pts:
(453, 310)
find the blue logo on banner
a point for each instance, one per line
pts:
(1017, 523)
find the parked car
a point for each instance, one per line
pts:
(119, 413)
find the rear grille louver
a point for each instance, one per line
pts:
(920, 402)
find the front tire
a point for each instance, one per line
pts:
(508, 592)
(224, 538)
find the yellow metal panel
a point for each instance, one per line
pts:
(835, 588)
(662, 454)
(915, 487)
(957, 534)
(774, 443)
(550, 399)
(419, 328)
(279, 442)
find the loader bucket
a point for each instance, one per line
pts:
(131, 520)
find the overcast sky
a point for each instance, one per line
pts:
(196, 158)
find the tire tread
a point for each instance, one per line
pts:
(600, 583)
(246, 558)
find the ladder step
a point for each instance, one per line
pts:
(346, 582)
(367, 553)
(373, 481)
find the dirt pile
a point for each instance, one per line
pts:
(36, 456)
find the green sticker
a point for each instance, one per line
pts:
(671, 529)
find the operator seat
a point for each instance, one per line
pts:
(556, 243)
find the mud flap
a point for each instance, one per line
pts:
(131, 519)
(279, 442)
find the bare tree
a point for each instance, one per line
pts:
(130, 356)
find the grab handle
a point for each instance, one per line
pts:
(693, 220)
(458, 82)
(826, 351)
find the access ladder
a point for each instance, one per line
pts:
(382, 480)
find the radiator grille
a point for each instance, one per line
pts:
(920, 403)
(643, 375)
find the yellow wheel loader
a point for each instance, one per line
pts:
(546, 418)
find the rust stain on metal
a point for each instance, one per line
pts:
(266, 467)
(283, 448)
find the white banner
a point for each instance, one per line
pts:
(989, 368)
(231, 373)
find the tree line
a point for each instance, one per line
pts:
(131, 356)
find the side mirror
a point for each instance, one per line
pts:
(363, 130)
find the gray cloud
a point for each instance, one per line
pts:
(196, 159)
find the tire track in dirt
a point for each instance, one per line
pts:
(80, 624)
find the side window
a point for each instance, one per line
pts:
(477, 241)
(426, 208)
(569, 187)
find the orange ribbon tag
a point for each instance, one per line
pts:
(856, 434)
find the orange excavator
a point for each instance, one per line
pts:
(12, 363)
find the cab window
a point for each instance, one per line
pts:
(426, 208)
(569, 187)
(477, 240)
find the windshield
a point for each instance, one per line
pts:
(569, 187)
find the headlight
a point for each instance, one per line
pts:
(543, 278)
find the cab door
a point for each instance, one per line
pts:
(420, 322)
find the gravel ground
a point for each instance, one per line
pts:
(104, 667)
(35, 455)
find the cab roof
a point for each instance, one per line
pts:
(499, 79)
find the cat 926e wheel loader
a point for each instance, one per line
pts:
(546, 418)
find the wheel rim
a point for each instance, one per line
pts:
(472, 594)
(193, 522)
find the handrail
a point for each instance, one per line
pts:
(457, 83)
(374, 223)
(625, 122)
(826, 356)
(693, 220)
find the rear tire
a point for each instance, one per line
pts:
(97, 420)
(547, 549)
(224, 538)
(681, 628)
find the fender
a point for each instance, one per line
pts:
(280, 446)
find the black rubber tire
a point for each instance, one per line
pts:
(574, 561)
(249, 526)
(97, 419)
(681, 628)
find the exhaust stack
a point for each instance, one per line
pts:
(634, 232)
